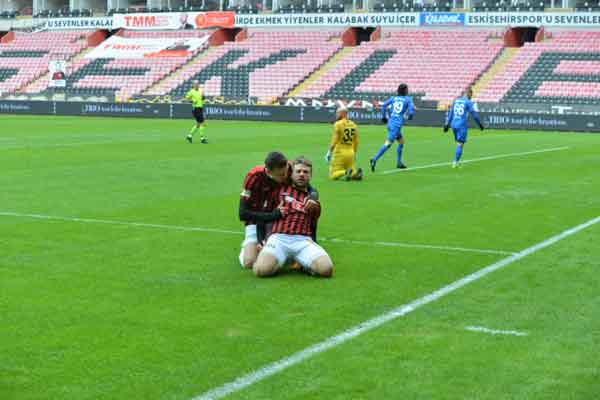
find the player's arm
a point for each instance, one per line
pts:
(475, 115)
(335, 137)
(247, 214)
(411, 108)
(245, 210)
(314, 195)
(384, 108)
(312, 205)
(263, 230)
(316, 211)
(188, 95)
(449, 117)
(355, 141)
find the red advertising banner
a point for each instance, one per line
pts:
(225, 19)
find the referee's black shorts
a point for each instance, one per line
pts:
(198, 114)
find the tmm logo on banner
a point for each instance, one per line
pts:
(442, 19)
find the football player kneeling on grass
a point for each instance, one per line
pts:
(341, 154)
(291, 235)
(258, 203)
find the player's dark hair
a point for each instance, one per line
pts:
(402, 89)
(304, 161)
(275, 160)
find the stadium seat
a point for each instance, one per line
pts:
(123, 78)
(265, 66)
(30, 53)
(420, 58)
(554, 70)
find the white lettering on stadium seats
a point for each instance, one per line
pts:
(295, 103)
(316, 103)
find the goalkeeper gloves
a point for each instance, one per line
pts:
(328, 156)
(384, 120)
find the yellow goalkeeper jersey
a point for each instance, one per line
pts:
(345, 133)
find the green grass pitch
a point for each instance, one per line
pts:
(93, 306)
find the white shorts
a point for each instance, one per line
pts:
(301, 248)
(250, 238)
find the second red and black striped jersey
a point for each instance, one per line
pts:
(296, 220)
(260, 191)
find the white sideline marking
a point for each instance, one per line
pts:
(15, 146)
(201, 229)
(277, 366)
(417, 246)
(112, 222)
(84, 136)
(494, 331)
(525, 153)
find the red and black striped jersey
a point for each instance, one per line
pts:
(260, 191)
(296, 220)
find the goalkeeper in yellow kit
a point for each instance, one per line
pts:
(342, 151)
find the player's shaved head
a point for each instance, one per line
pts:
(403, 89)
(196, 84)
(341, 112)
(469, 92)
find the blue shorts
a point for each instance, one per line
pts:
(460, 134)
(394, 132)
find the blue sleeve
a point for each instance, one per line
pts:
(474, 113)
(411, 108)
(384, 107)
(450, 115)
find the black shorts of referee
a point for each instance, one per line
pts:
(198, 114)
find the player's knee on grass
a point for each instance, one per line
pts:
(249, 255)
(322, 266)
(265, 265)
(337, 174)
